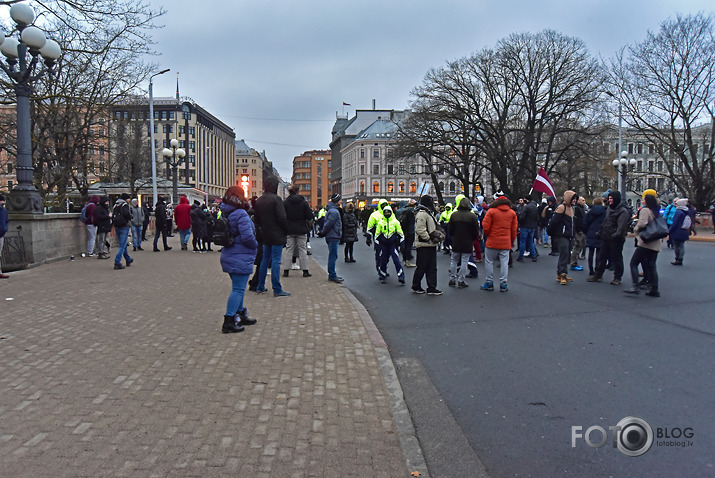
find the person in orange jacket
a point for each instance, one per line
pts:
(500, 224)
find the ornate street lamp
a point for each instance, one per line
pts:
(174, 157)
(622, 166)
(151, 134)
(21, 69)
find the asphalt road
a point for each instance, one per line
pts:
(496, 381)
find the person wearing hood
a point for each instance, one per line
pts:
(562, 229)
(121, 219)
(500, 225)
(137, 223)
(270, 218)
(103, 220)
(613, 234)
(464, 229)
(679, 230)
(332, 231)
(237, 259)
(388, 233)
(444, 221)
(372, 221)
(182, 217)
(406, 216)
(425, 225)
(528, 223)
(90, 225)
(591, 225)
(160, 224)
(546, 210)
(299, 217)
(350, 228)
(198, 227)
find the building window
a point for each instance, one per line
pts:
(390, 187)
(640, 148)
(192, 146)
(362, 154)
(651, 149)
(168, 128)
(376, 187)
(401, 169)
(362, 187)
(181, 143)
(441, 186)
(376, 153)
(413, 169)
(362, 169)
(182, 129)
(630, 148)
(390, 169)
(375, 169)
(413, 187)
(185, 115)
(192, 131)
(401, 188)
(9, 167)
(101, 150)
(171, 115)
(452, 188)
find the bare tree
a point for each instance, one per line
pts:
(666, 85)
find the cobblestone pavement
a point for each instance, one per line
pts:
(126, 373)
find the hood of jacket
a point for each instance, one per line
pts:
(616, 199)
(464, 204)
(183, 200)
(502, 202)
(294, 199)
(568, 196)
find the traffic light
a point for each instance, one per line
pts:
(245, 183)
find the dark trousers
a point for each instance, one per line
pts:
(646, 258)
(611, 249)
(162, 231)
(144, 228)
(591, 252)
(563, 245)
(349, 250)
(426, 266)
(407, 249)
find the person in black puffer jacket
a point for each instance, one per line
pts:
(198, 227)
(104, 226)
(298, 217)
(350, 227)
(270, 217)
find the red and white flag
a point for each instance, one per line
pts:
(542, 183)
(346, 104)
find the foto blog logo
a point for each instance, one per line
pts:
(632, 436)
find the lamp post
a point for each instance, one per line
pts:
(174, 157)
(24, 197)
(622, 165)
(151, 133)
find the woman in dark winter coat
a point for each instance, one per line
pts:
(198, 227)
(237, 259)
(104, 226)
(591, 225)
(464, 230)
(350, 227)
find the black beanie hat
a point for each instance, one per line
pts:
(427, 202)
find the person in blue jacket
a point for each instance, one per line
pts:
(677, 233)
(237, 259)
(332, 231)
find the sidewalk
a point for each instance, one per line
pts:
(127, 373)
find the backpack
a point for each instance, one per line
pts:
(83, 215)
(221, 235)
(118, 219)
(687, 222)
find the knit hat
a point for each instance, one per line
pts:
(427, 202)
(335, 198)
(125, 196)
(649, 192)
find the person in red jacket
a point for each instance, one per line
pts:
(182, 217)
(500, 224)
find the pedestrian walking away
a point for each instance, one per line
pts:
(646, 252)
(182, 217)
(237, 259)
(500, 224)
(464, 230)
(299, 219)
(679, 230)
(350, 231)
(137, 223)
(332, 231)
(426, 244)
(87, 216)
(562, 228)
(270, 218)
(121, 219)
(160, 224)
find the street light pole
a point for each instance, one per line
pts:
(174, 156)
(151, 134)
(622, 166)
(24, 197)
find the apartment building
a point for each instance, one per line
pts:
(311, 171)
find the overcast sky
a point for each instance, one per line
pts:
(277, 71)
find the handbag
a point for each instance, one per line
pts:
(438, 235)
(656, 229)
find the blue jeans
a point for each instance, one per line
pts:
(122, 236)
(238, 289)
(271, 254)
(526, 238)
(137, 236)
(184, 236)
(332, 257)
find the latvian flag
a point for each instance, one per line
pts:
(542, 183)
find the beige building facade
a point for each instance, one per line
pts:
(311, 172)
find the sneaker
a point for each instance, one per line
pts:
(534, 259)
(337, 279)
(520, 259)
(503, 287)
(554, 254)
(383, 280)
(418, 291)
(4, 276)
(129, 262)
(576, 268)
(434, 292)
(461, 284)
(653, 293)
(91, 255)
(631, 290)
(281, 294)
(260, 291)
(616, 282)
(295, 267)
(594, 278)
(401, 280)
(118, 266)
(452, 283)
(487, 286)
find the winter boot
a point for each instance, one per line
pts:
(244, 318)
(285, 272)
(307, 274)
(230, 326)
(563, 279)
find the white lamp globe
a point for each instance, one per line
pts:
(9, 47)
(33, 37)
(624, 154)
(23, 14)
(180, 153)
(616, 163)
(51, 50)
(632, 162)
(624, 161)
(167, 152)
(174, 143)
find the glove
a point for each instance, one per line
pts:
(368, 240)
